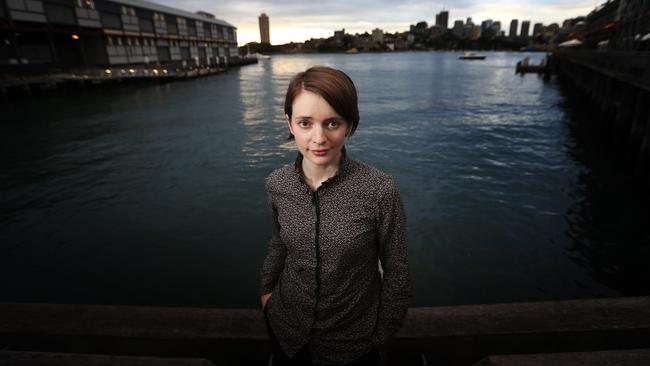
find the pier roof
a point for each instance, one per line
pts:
(174, 11)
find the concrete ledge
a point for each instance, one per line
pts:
(634, 357)
(458, 335)
(13, 358)
(462, 335)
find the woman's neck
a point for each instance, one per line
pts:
(315, 175)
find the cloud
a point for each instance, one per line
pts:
(294, 20)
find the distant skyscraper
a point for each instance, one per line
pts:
(513, 28)
(458, 28)
(265, 36)
(538, 28)
(442, 19)
(486, 24)
(378, 35)
(486, 28)
(525, 25)
(496, 26)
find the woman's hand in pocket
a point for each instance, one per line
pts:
(265, 298)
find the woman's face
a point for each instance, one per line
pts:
(319, 131)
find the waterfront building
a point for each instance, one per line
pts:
(496, 27)
(474, 32)
(458, 29)
(552, 29)
(525, 29)
(339, 37)
(42, 35)
(442, 19)
(633, 25)
(378, 35)
(265, 34)
(486, 24)
(538, 28)
(513, 28)
(421, 29)
(487, 29)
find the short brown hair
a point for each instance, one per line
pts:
(333, 85)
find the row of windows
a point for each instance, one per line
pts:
(147, 42)
(127, 11)
(86, 4)
(182, 22)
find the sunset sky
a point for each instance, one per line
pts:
(299, 20)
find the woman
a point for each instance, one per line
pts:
(323, 295)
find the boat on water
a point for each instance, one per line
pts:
(471, 56)
(261, 56)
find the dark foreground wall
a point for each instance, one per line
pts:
(615, 86)
(454, 335)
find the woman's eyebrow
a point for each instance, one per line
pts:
(304, 117)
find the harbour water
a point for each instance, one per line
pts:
(154, 194)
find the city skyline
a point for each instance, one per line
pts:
(295, 21)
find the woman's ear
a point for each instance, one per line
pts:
(286, 117)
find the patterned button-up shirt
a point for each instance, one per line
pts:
(322, 262)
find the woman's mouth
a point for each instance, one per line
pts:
(320, 152)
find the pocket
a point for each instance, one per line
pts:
(268, 302)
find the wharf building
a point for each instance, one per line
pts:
(46, 35)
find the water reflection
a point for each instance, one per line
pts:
(155, 195)
(608, 218)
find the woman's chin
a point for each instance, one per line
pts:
(320, 159)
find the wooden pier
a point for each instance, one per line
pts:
(26, 83)
(615, 89)
(524, 67)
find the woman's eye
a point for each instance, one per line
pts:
(333, 124)
(303, 123)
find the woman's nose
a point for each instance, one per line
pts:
(319, 136)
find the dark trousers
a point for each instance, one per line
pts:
(303, 358)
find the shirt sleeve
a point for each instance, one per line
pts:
(395, 295)
(276, 253)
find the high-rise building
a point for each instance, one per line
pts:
(525, 28)
(442, 19)
(538, 28)
(486, 24)
(486, 28)
(265, 36)
(378, 35)
(496, 27)
(458, 28)
(513, 28)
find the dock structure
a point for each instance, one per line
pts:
(524, 67)
(50, 40)
(615, 89)
(615, 328)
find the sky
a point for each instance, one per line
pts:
(300, 20)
